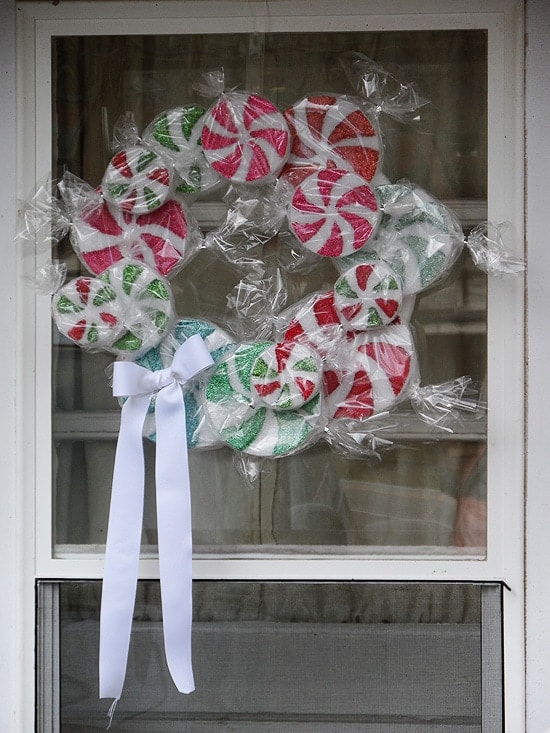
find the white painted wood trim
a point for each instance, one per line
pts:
(538, 473)
(16, 516)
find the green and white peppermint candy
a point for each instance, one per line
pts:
(235, 414)
(146, 302)
(125, 311)
(418, 236)
(176, 135)
(137, 180)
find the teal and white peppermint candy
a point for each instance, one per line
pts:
(418, 236)
(219, 344)
(257, 430)
(286, 375)
(176, 135)
(368, 295)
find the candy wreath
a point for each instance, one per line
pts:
(337, 358)
(316, 169)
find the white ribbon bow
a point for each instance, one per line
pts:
(173, 517)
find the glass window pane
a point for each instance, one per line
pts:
(423, 492)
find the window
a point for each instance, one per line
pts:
(288, 657)
(430, 509)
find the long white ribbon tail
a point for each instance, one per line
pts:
(174, 534)
(122, 549)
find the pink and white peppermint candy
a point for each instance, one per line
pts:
(333, 212)
(330, 131)
(102, 235)
(137, 180)
(371, 374)
(285, 376)
(368, 295)
(160, 238)
(245, 138)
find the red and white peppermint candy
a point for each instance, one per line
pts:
(368, 295)
(137, 180)
(101, 235)
(285, 376)
(371, 373)
(98, 231)
(333, 212)
(330, 131)
(160, 238)
(314, 322)
(245, 138)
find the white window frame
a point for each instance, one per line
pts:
(503, 19)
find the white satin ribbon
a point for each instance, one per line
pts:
(173, 517)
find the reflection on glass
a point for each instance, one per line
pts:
(423, 492)
(288, 657)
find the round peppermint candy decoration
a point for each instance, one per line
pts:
(235, 415)
(418, 236)
(199, 432)
(102, 235)
(333, 212)
(125, 311)
(137, 180)
(245, 138)
(86, 312)
(313, 321)
(368, 295)
(370, 373)
(285, 376)
(331, 131)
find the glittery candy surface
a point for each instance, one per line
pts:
(219, 345)
(127, 309)
(374, 375)
(176, 135)
(137, 180)
(285, 376)
(333, 213)
(331, 131)
(244, 423)
(368, 295)
(245, 138)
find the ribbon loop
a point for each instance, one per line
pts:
(173, 516)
